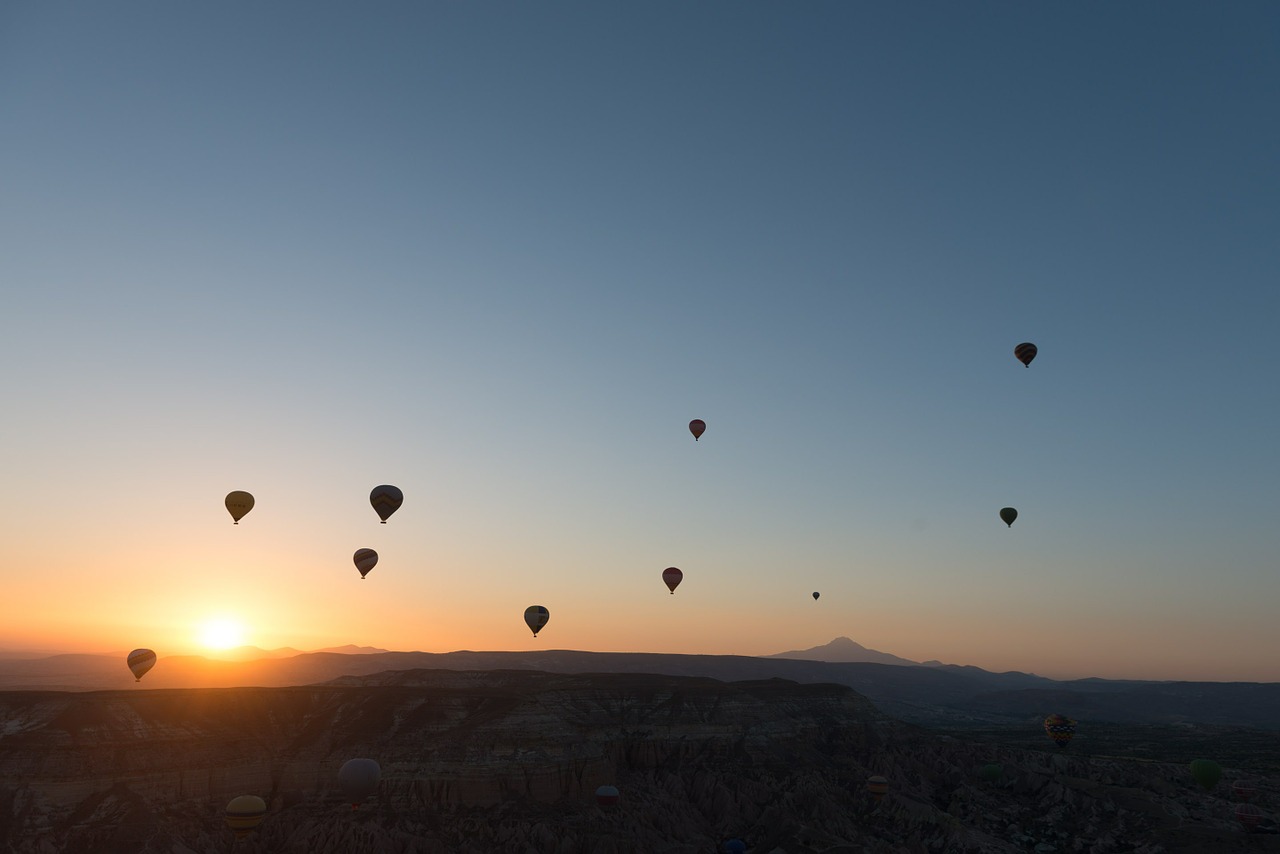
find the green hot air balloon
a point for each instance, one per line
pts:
(991, 772)
(1206, 772)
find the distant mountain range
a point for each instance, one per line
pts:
(931, 694)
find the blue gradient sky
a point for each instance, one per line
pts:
(500, 254)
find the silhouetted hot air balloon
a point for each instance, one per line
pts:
(358, 779)
(672, 578)
(244, 813)
(386, 500)
(140, 661)
(238, 504)
(697, 427)
(535, 617)
(607, 796)
(991, 772)
(1026, 351)
(877, 786)
(1060, 728)
(815, 595)
(365, 560)
(1206, 772)
(1007, 515)
(1249, 816)
(735, 846)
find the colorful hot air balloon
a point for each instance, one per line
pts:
(244, 813)
(991, 772)
(140, 661)
(1243, 790)
(877, 786)
(697, 427)
(1007, 515)
(1026, 351)
(535, 617)
(358, 779)
(238, 504)
(1249, 816)
(607, 796)
(1060, 728)
(386, 500)
(1206, 772)
(365, 560)
(672, 578)
(815, 595)
(735, 846)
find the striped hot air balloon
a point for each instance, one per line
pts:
(1243, 790)
(672, 578)
(535, 617)
(697, 427)
(244, 813)
(877, 786)
(365, 560)
(238, 503)
(1060, 728)
(386, 499)
(1249, 816)
(140, 661)
(1026, 351)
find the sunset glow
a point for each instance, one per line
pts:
(221, 633)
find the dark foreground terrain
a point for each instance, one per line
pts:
(509, 761)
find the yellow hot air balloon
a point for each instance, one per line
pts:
(140, 661)
(244, 813)
(238, 504)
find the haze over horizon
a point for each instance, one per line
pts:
(500, 256)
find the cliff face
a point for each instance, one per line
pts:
(510, 761)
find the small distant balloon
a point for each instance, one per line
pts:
(238, 504)
(877, 786)
(607, 796)
(1206, 772)
(386, 499)
(244, 813)
(535, 617)
(672, 578)
(358, 779)
(1249, 816)
(140, 661)
(365, 560)
(1060, 728)
(1026, 351)
(697, 427)
(1007, 515)
(815, 595)
(1243, 790)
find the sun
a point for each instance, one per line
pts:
(221, 633)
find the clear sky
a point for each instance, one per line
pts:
(499, 254)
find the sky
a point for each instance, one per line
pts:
(500, 254)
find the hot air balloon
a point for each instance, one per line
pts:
(365, 560)
(1243, 790)
(1206, 772)
(358, 779)
(244, 813)
(238, 504)
(535, 617)
(1026, 351)
(735, 846)
(991, 772)
(672, 578)
(385, 500)
(1007, 515)
(1060, 728)
(607, 796)
(140, 661)
(1249, 816)
(815, 595)
(697, 427)
(877, 786)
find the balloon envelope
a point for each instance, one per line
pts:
(991, 772)
(386, 499)
(1248, 815)
(358, 779)
(238, 503)
(672, 578)
(140, 661)
(1026, 351)
(815, 595)
(244, 813)
(535, 617)
(607, 796)
(365, 560)
(877, 786)
(1243, 790)
(1060, 728)
(697, 427)
(1007, 515)
(1206, 772)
